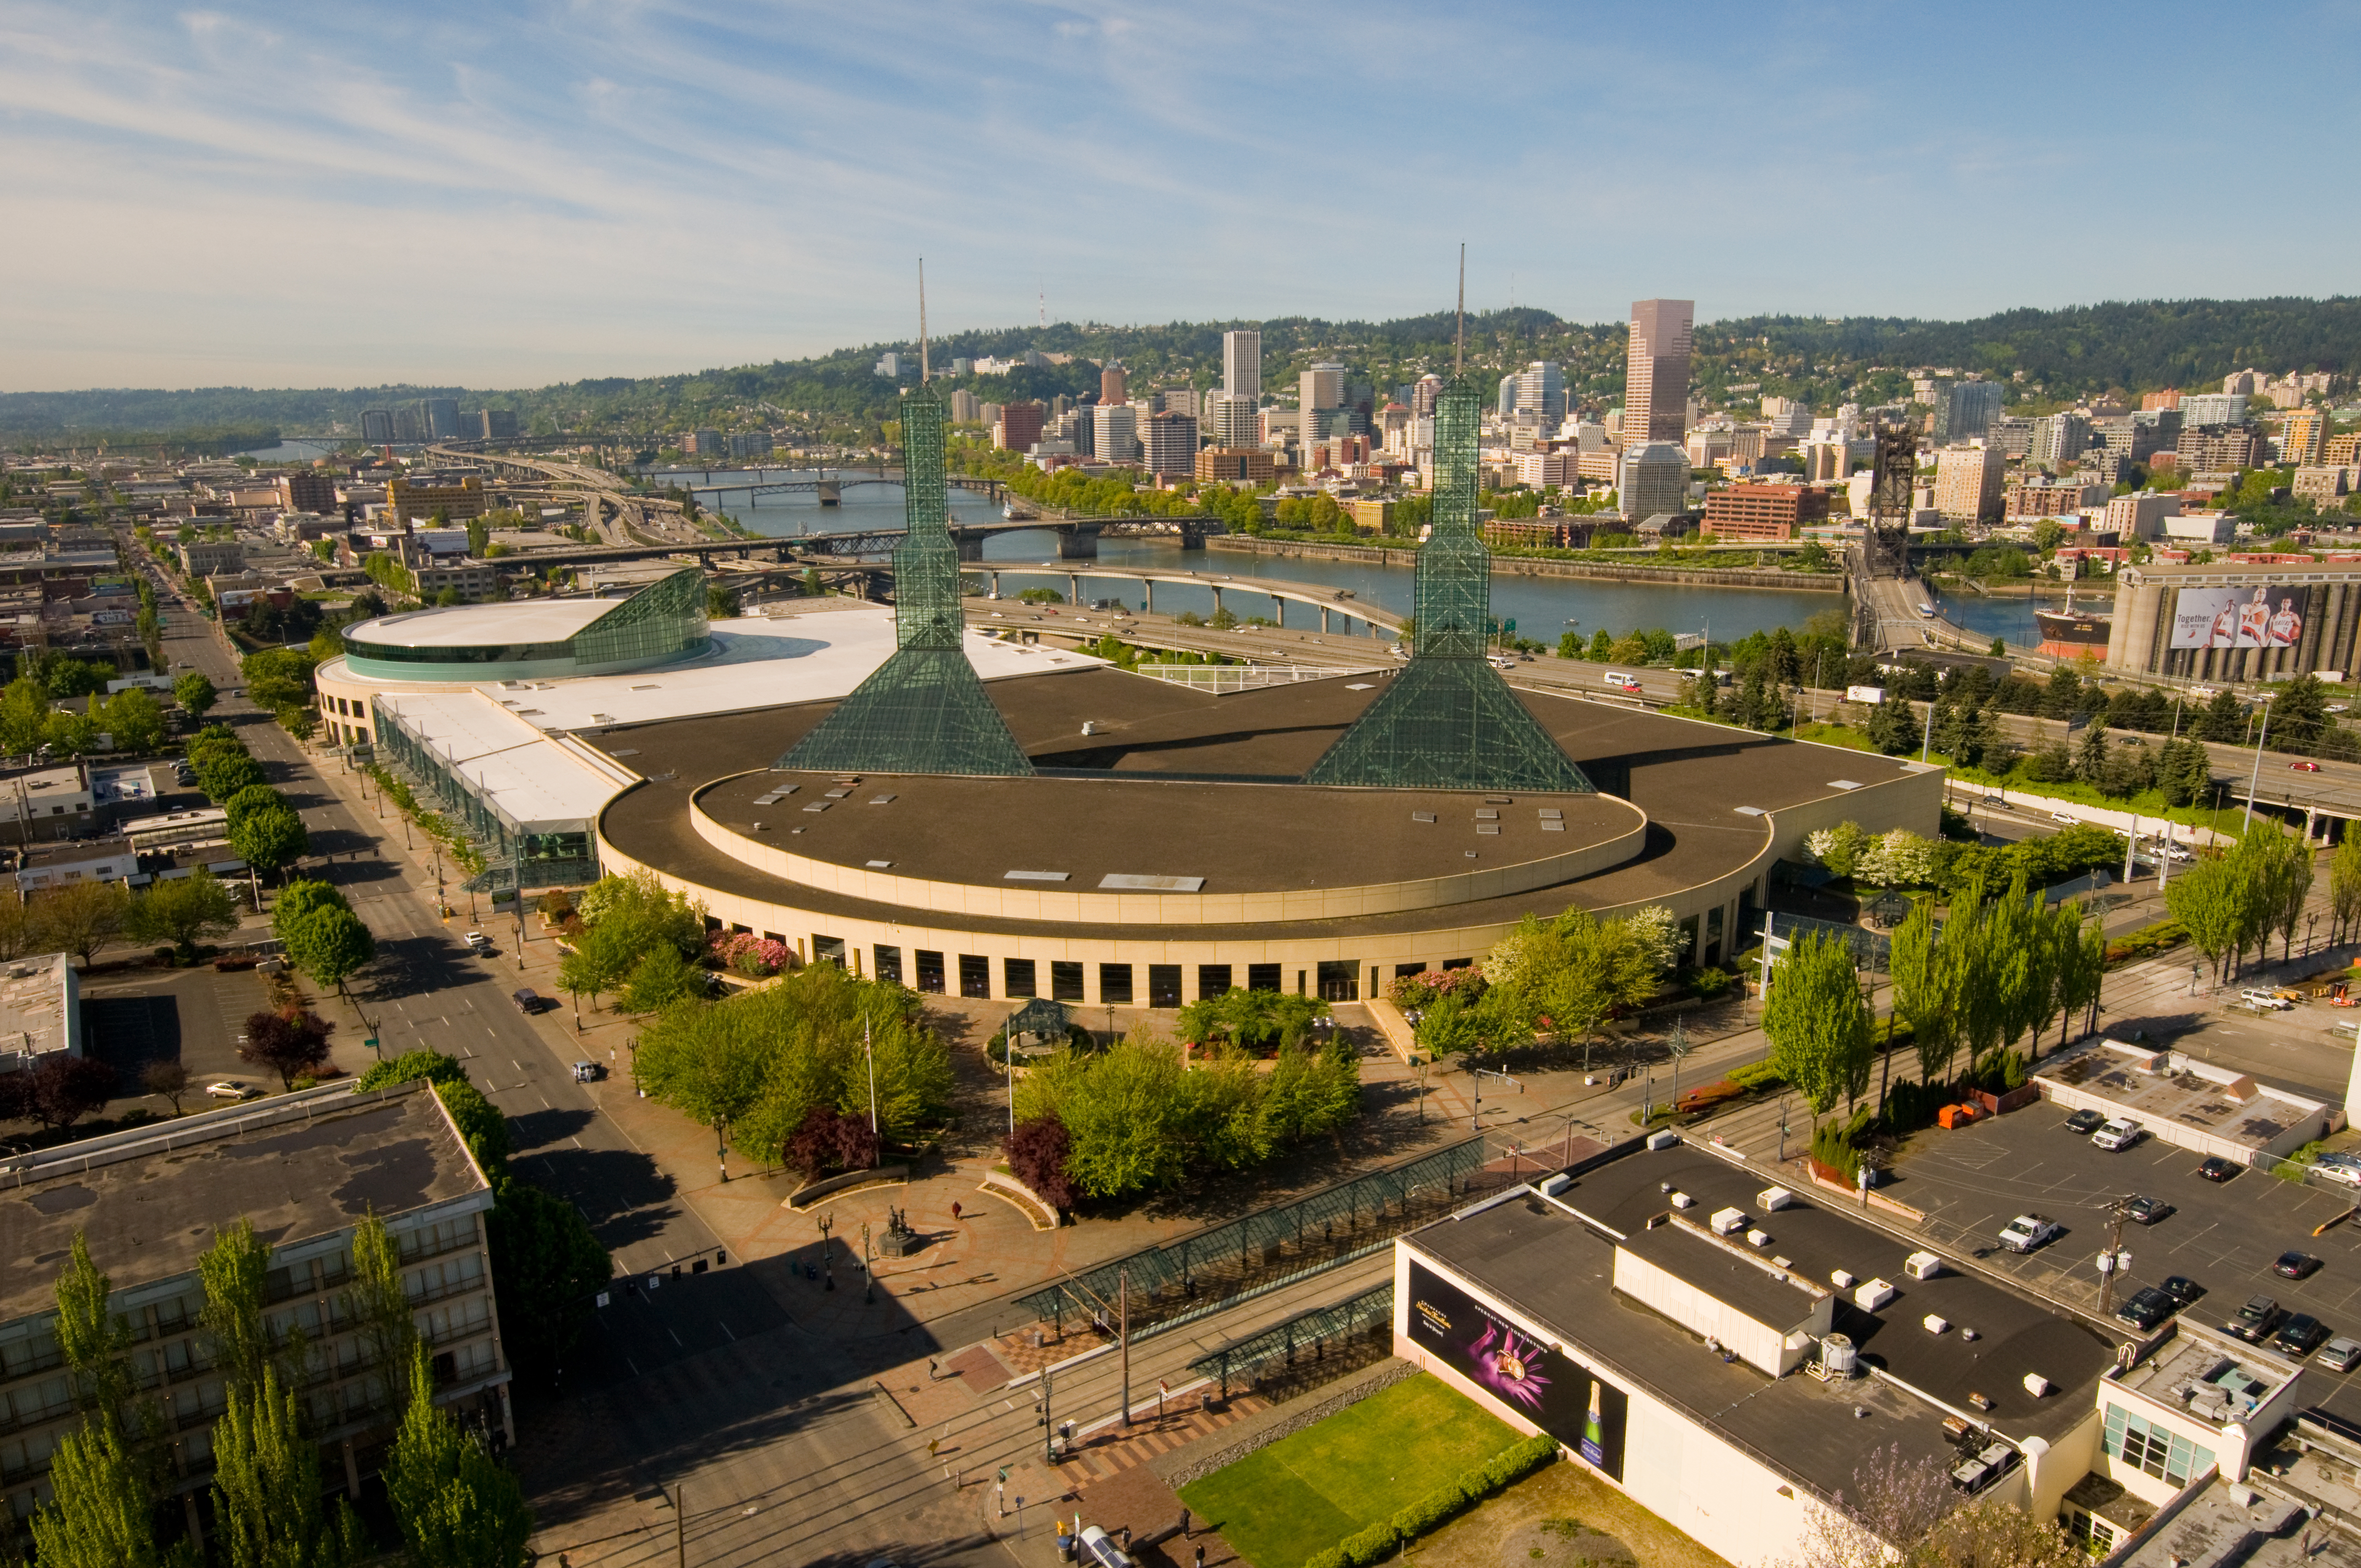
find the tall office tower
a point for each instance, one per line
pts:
(1168, 443)
(1319, 389)
(1177, 400)
(1111, 384)
(1448, 720)
(2059, 439)
(2303, 436)
(1539, 388)
(1969, 483)
(409, 424)
(1242, 365)
(923, 710)
(1656, 374)
(377, 425)
(498, 423)
(1236, 421)
(1965, 410)
(965, 410)
(442, 418)
(1114, 432)
(1422, 396)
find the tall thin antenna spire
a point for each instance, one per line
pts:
(1459, 344)
(922, 377)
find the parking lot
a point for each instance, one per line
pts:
(1970, 1182)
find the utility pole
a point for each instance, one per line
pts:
(1123, 1334)
(2113, 1261)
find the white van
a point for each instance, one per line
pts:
(1622, 682)
(2264, 1001)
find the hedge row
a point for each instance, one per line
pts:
(1437, 1508)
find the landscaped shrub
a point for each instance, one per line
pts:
(1376, 1543)
(2147, 941)
(1757, 1075)
(742, 952)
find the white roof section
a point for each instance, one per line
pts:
(478, 625)
(540, 784)
(37, 999)
(758, 662)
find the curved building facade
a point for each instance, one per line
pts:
(536, 640)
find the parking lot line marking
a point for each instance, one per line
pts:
(725, 1329)
(675, 1338)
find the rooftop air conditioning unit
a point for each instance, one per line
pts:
(1774, 1199)
(1922, 1266)
(1725, 1221)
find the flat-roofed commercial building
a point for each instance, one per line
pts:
(2065, 499)
(458, 500)
(213, 557)
(40, 1011)
(1236, 465)
(1700, 1336)
(306, 1170)
(1763, 511)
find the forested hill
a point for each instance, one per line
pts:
(2046, 356)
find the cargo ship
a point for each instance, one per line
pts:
(2069, 634)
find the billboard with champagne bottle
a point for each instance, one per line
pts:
(1532, 1376)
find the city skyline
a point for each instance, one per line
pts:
(443, 196)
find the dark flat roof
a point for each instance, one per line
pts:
(975, 830)
(1691, 1256)
(149, 1210)
(1559, 1272)
(1690, 778)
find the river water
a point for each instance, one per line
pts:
(1542, 608)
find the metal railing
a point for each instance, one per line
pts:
(1222, 679)
(1192, 1275)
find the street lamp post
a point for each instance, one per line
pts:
(2255, 781)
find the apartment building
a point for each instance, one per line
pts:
(1235, 466)
(1168, 443)
(2303, 436)
(2064, 499)
(459, 499)
(1968, 482)
(213, 557)
(306, 1170)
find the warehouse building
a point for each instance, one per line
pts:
(1731, 1352)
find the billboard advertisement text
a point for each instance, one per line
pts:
(1540, 1382)
(2265, 615)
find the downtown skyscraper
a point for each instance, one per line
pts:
(1656, 375)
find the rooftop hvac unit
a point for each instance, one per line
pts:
(1937, 1326)
(1871, 1294)
(1774, 1199)
(1838, 1359)
(1759, 1236)
(1662, 1140)
(1683, 1200)
(1725, 1221)
(2036, 1385)
(1922, 1266)
(1841, 1278)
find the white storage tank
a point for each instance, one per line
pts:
(1838, 1357)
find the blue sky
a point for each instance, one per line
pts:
(504, 194)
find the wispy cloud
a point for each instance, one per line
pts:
(257, 191)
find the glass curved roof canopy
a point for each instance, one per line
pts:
(660, 624)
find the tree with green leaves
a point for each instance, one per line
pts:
(195, 694)
(278, 678)
(1928, 975)
(2081, 965)
(182, 911)
(454, 1507)
(133, 717)
(378, 1304)
(330, 945)
(246, 802)
(661, 978)
(266, 1509)
(2345, 882)
(1819, 1023)
(271, 840)
(298, 898)
(234, 1271)
(223, 772)
(80, 918)
(547, 1266)
(2224, 718)
(2205, 900)
(100, 1514)
(600, 959)
(92, 1341)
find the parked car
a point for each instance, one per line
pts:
(2257, 1320)
(2146, 1211)
(2293, 1264)
(2181, 1289)
(477, 943)
(2120, 1133)
(2027, 1232)
(2264, 1001)
(529, 1001)
(2340, 1172)
(2085, 1121)
(2217, 1169)
(2300, 1335)
(2339, 1355)
(233, 1089)
(2146, 1308)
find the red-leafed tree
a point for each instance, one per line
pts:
(1036, 1154)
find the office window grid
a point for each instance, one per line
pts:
(2157, 1451)
(662, 619)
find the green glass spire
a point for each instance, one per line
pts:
(1448, 720)
(923, 710)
